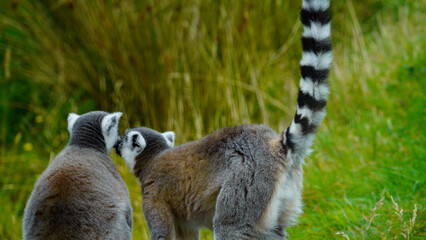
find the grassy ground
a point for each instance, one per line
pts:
(195, 66)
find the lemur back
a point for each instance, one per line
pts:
(81, 194)
(243, 182)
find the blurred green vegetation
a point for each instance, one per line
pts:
(195, 66)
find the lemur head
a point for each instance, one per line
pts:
(143, 141)
(95, 129)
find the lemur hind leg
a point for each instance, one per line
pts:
(241, 203)
(159, 219)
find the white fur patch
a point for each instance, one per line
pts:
(289, 193)
(286, 193)
(319, 61)
(319, 91)
(302, 142)
(170, 138)
(317, 31)
(110, 129)
(272, 212)
(72, 117)
(305, 112)
(129, 157)
(314, 118)
(316, 4)
(296, 130)
(318, 116)
(129, 152)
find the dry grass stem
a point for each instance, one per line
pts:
(343, 234)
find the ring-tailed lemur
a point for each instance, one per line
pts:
(243, 182)
(81, 194)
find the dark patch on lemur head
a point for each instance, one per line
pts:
(155, 141)
(94, 119)
(134, 142)
(87, 131)
(139, 145)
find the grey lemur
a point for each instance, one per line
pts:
(81, 194)
(243, 182)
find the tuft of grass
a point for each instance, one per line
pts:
(398, 229)
(195, 66)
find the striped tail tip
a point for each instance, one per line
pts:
(313, 87)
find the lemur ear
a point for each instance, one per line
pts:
(170, 138)
(110, 129)
(72, 117)
(138, 141)
(110, 121)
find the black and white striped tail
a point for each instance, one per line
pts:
(313, 87)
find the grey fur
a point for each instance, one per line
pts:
(222, 182)
(81, 194)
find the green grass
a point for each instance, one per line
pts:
(195, 66)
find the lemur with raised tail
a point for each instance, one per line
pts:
(243, 182)
(81, 195)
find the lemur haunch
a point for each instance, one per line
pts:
(81, 194)
(243, 182)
